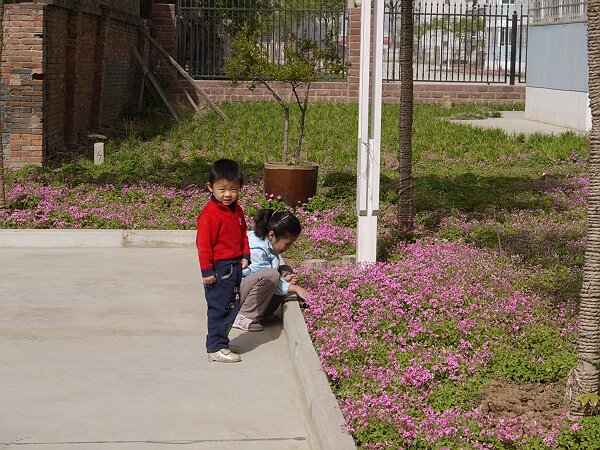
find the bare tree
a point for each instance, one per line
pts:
(2, 171)
(405, 188)
(584, 378)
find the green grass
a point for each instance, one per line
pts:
(458, 170)
(179, 153)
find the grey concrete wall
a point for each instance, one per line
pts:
(557, 57)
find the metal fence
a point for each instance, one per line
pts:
(480, 44)
(205, 28)
(543, 12)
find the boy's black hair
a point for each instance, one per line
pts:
(281, 223)
(226, 169)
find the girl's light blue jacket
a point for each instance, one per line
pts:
(263, 256)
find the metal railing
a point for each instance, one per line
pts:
(452, 43)
(205, 28)
(543, 12)
(459, 43)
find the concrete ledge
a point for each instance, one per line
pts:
(324, 411)
(159, 238)
(60, 238)
(69, 238)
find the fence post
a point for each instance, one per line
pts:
(513, 48)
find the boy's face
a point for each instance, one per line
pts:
(226, 191)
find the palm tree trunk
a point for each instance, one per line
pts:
(2, 171)
(584, 376)
(405, 188)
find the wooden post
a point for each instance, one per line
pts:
(186, 75)
(192, 101)
(154, 82)
(141, 98)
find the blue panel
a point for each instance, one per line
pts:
(557, 57)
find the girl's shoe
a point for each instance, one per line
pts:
(224, 355)
(270, 318)
(244, 323)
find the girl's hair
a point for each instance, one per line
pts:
(281, 223)
(226, 169)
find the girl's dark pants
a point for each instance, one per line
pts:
(223, 299)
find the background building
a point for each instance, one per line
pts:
(557, 69)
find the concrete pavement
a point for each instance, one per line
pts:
(104, 348)
(514, 122)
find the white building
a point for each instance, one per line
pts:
(557, 68)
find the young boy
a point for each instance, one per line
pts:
(224, 252)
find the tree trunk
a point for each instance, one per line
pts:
(286, 133)
(303, 105)
(405, 188)
(584, 376)
(2, 171)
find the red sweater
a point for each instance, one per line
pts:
(221, 235)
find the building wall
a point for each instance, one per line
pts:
(126, 6)
(120, 69)
(81, 65)
(163, 18)
(557, 57)
(557, 75)
(67, 71)
(55, 73)
(89, 68)
(21, 101)
(559, 107)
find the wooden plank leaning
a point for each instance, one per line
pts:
(193, 102)
(154, 82)
(185, 75)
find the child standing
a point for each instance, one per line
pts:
(224, 252)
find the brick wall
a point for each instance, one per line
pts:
(55, 79)
(163, 24)
(163, 18)
(89, 68)
(127, 6)
(120, 69)
(67, 71)
(22, 83)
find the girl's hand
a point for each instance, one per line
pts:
(245, 263)
(299, 291)
(209, 280)
(291, 278)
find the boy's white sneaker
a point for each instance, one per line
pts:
(224, 355)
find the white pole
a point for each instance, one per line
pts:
(368, 145)
(363, 109)
(376, 105)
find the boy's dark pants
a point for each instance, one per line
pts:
(223, 301)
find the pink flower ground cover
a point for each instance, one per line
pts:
(407, 344)
(32, 203)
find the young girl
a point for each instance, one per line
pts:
(266, 282)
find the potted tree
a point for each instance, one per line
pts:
(304, 62)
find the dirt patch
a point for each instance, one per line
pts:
(543, 402)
